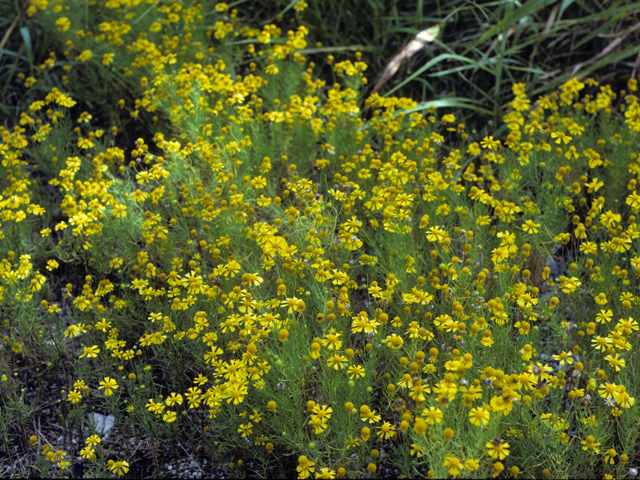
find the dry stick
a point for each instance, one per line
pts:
(25, 440)
(137, 447)
(189, 455)
(635, 66)
(39, 432)
(11, 464)
(603, 53)
(619, 34)
(547, 28)
(413, 47)
(22, 465)
(13, 25)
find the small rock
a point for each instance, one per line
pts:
(102, 423)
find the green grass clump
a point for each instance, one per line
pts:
(275, 282)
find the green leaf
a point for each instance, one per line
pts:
(26, 37)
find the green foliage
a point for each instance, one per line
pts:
(283, 274)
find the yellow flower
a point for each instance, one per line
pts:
(616, 362)
(252, 279)
(236, 393)
(139, 196)
(322, 411)
(52, 265)
(120, 467)
(85, 56)
(108, 385)
(629, 325)
(561, 137)
(472, 464)
(590, 443)
(479, 416)
(324, 471)
(245, 429)
(332, 341)
(483, 220)
(74, 397)
(88, 453)
(103, 325)
(367, 414)
(433, 415)
(337, 362)
(499, 254)
(63, 24)
(386, 431)
(601, 299)
(356, 371)
(416, 450)
(498, 449)
(394, 341)
(173, 399)
(608, 390)
(169, 417)
(564, 358)
(154, 407)
(569, 285)
(299, 7)
(305, 467)
(610, 455)
(90, 352)
(489, 143)
(530, 227)
(454, 464)
(604, 316)
(624, 399)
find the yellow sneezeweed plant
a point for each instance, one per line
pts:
(285, 266)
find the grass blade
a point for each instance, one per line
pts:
(26, 37)
(435, 61)
(524, 11)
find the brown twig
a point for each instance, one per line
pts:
(635, 66)
(603, 53)
(13, 25)
(414, 46)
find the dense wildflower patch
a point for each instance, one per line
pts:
(295, 271)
